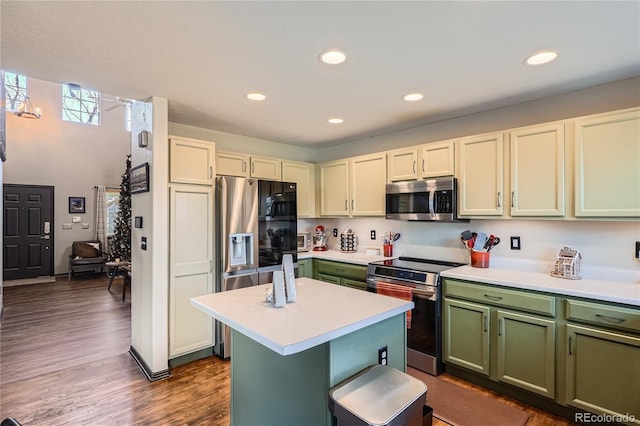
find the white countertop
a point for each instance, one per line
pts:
(323, 312)
(358, 258)
(625, 291)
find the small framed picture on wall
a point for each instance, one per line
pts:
(139, 178)
(76, 204)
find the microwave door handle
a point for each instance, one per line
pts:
(432, 210)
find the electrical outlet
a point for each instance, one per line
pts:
(637, 249)
(335, 232)
(373, 234)
(515, 243)
(382, 355)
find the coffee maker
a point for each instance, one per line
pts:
(320, 239)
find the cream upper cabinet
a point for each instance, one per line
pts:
(232, 164)
(334, 188)
(402, 164)
(242, 165)
(480, 175)
(437, 159)
(537, 170)
(607, 165)
(265, 168)
(303, 174)
(368, 180)
(191, 161)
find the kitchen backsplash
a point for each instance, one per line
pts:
(602, 244)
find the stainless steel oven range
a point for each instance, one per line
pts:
(424, 340)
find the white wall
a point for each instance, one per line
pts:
(69, 156)
(607, 97)
(150, 271)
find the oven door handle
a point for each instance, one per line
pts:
(424, 294)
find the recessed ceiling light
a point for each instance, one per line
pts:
(333, 57)
(541, 58)
(336, 120)
(412, 97)
(256, 96)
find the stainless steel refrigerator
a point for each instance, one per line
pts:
(257, 225)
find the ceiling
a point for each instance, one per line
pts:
(204, 57)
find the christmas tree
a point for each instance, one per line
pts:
(121, 241)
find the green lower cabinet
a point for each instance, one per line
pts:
(603, 372)
(526, 352)
(358, 285)
(329, 279)
(466, 340)
(340, 273)
(305, 268)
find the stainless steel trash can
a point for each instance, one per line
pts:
(378, 395)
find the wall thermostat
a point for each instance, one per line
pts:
(143, 138)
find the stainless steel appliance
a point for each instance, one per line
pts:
(424, 340)
(304, 241)
(256, 226)
(426, 200)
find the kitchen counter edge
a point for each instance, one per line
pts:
(627, 293)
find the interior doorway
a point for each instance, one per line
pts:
(28, 231)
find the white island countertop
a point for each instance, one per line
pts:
(322, 312)
(597, 287)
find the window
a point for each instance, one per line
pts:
(15, 90)
(113, 198)
(80, 105)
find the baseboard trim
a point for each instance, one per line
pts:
(193, 356)
(150, 375)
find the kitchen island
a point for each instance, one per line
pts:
(285, 360)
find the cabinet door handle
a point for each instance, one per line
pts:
(352, 205)
(570, 352)
(414, 166)
(210, 266)
(346, 204)
(500, 327)
(244, 166)
(494, 298)
(423, 165)
(210, 172)
(513, 194)
(498, 200)
(253, 167)
(486, 326)
(611, 319)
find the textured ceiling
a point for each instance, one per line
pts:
(205, 56)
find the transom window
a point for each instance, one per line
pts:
(15, 86)
(80, 105)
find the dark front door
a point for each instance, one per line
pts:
(28, 231)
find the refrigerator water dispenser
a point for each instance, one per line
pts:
(241, 249)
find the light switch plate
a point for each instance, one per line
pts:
(75, 219)
(84, 225)
(67, 226)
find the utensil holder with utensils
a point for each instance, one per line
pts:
(480, 259)
(479, 246)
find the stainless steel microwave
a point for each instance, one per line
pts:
(427, 200)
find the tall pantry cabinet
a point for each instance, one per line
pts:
(191, 216)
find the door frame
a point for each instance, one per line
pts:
(52, 233)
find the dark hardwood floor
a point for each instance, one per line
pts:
(64, 361)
